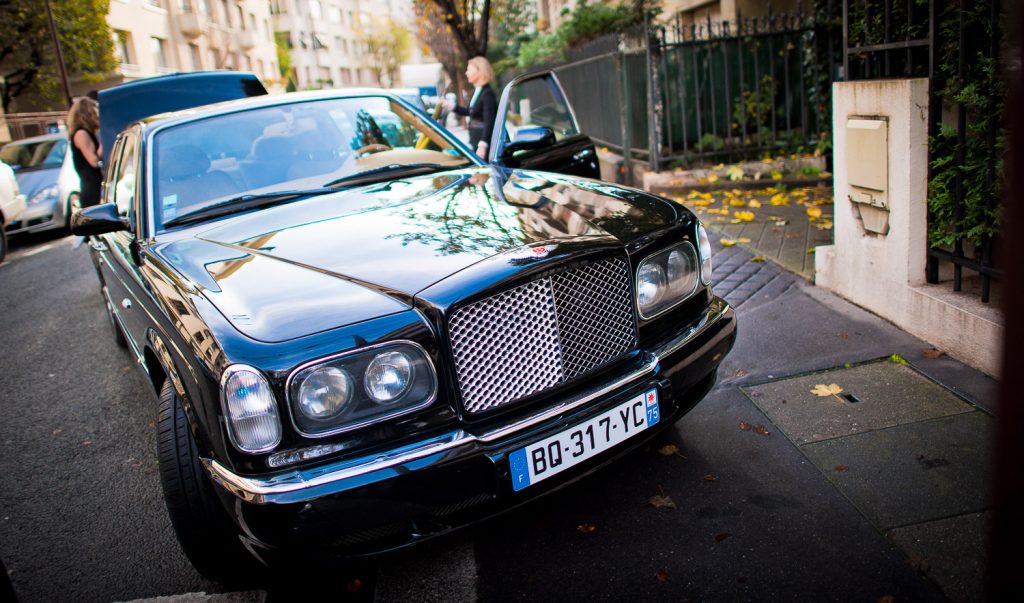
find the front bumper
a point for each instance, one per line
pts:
(390, 500)
(38, 217)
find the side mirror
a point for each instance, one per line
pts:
(528, 139)
(97, 220)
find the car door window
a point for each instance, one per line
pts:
(125, 177)
(108, 189)
(538, 102)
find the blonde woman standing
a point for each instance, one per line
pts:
(83, 123)
(482, 108)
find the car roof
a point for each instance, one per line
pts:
(256, 102)
(40, 138)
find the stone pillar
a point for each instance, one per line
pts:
(885, 273)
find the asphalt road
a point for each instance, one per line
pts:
(82, 515)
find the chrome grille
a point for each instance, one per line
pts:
(527, 339)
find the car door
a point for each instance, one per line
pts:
(118, 251)
(536, 129)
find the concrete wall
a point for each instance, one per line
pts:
(886, 273)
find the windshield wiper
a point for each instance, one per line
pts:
(244, 202)
(390, 169)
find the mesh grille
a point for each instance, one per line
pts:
(538, 335)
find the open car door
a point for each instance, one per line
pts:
(536, 129)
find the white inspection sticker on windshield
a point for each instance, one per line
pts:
(561, 451)
(170, 206)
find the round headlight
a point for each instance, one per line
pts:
(680, 269)
(704, 246)
(388, 377)
(251, 410)
(650, 285)
(325, 392)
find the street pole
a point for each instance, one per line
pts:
(60, 55)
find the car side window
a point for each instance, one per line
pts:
(125, 177)
(538, 102)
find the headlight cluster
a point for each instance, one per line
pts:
(46, 193)
(666, 278)
(355, 389)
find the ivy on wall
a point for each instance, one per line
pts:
(981, 95)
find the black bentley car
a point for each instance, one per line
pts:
(362, 335)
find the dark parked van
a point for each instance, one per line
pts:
(121, 105)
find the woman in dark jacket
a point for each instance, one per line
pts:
(83, 123)
(482, 108)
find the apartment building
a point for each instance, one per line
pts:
(154, 37)
(326, 38)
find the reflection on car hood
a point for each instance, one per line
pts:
(31, 181)
(336, 259)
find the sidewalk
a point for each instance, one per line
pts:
(901, 431)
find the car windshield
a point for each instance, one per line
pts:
(291, 147)
(36, 154)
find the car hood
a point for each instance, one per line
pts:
(32, 181)
(332, 260)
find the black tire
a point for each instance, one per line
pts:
(3, 240)
(207, 535)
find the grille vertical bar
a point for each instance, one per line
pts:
(528, 339)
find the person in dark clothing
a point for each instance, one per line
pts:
(482, 108)
(83, 124)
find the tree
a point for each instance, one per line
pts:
(513, 24)
(28, 61)
(388, 46)
(456, 31)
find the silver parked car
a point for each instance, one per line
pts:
(47, 178)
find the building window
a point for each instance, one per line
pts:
(334, 14)
(185, 6)
(197, 61)
(125, 53)
(155, 3)
(156, 46)
(315, 10)
(204, 7)
(226, 11)
(241, 17)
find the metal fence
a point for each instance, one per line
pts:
(733, 90)
(955, 43)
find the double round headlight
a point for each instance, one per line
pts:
(665, 279)
(361, 387)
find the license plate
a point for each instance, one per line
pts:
(559, 452)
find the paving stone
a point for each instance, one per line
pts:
(951, 552)
(888, 394)
(912, 473)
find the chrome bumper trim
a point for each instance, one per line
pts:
(265, 490)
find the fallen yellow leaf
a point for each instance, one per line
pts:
(700, 202)
(814, 212)
(757, 258)
(779, 199)
(742, 240)
(661, 502)
(827, 390)
(727, 242)
(754, 203)
(824, 225)
(712, 178)
(668, 450)
(586, 528)
(737, 202)
(744, 216)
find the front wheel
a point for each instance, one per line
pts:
(3, 240)
(207, 535)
